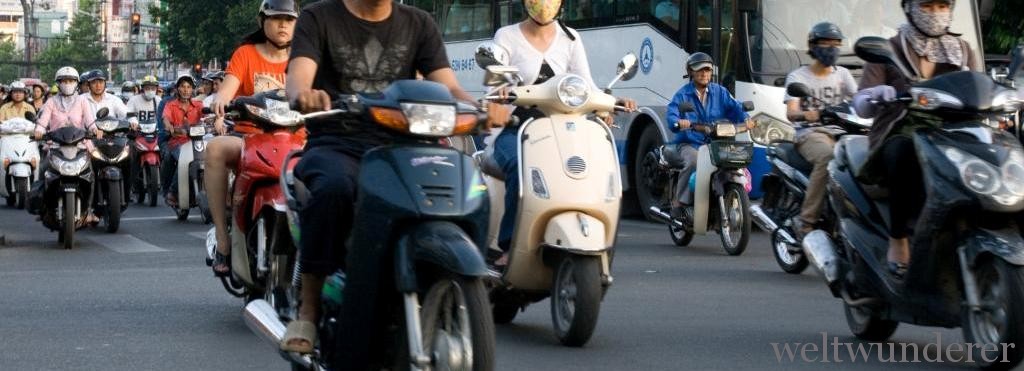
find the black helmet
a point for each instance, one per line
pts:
(90, 76)
(698, 61)
(271, 8)
(824, 30)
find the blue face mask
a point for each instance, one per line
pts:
(826, 55)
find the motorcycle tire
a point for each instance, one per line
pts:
(789, 262)
(742, 200)
(575, 318)
(865, 324)
(113, 217)
(680, 236)
(651, 187)
(153, 174)
(69, 220)
(1000, 284)
(182, 214)
(446, 297)
(21, 187)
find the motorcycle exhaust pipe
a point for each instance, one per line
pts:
(822, 253)
(768, 225)
(661, 216)
(262, 319)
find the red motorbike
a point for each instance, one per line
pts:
(147, 153)
(262, 252)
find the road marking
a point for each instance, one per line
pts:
(125, 244)
(155, 218)
(199, 235)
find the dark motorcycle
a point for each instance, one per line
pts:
(111, 162)
(786, 185)
(967, 254)
(428, 224)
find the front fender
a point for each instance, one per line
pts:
(443, 244)
(109, 173)
(1006, 244)
(21, 170)
(576, 232)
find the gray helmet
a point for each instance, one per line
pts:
(824, 30)
(93, 75)
(698, 61)
(278, 7)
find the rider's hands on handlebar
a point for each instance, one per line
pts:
(312, 100)
(498, 115)
(218, 126)
(628, 103)
(867, 101)
(683, 124)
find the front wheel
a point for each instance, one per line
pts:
(113, 206)
(735, 225)
(576, 299)
(680, 236)
(999, 320)
(152, 176)
(21, 187)
(458, 331)
(70, 212)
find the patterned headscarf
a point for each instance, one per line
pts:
(928, 34)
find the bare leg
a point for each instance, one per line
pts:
(222, 154)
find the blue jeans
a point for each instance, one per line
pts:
(169, 169)
(506, 154)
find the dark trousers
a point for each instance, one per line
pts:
(905, 183)
(169, 169)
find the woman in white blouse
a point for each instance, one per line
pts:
(540, 47)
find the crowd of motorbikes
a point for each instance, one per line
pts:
(438, 219)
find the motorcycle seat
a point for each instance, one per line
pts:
(485, 160)
(786, 151)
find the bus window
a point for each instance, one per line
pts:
(668, 12)
(461, 19)
(727, 54)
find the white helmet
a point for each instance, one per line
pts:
(18, 85)
(66, 73)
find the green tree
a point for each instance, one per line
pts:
(81, 47)
(9, 72)
(195, 34)
(1003, 29)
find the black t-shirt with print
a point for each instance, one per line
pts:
(357, 56)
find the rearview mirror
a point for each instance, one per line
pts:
(627, 67)
(103, 112)
(490, 54)
(31, 116)
(748, 106)
(798, 90)
(875, 49)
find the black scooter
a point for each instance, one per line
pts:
(111, 162)
(967, 254)
(421, 216)
(785, 187)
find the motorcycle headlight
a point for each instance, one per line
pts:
(1004, 185)
(69, 152)
(929, 99)
(770, 129)
(107, 125)
(70, 167)
(430, 119)
(573, 91)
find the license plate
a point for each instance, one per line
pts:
(197, 131)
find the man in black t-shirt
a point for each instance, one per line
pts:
(346, 47)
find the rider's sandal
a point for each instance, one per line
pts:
(299, 330)
(221, 260)
(898, 270)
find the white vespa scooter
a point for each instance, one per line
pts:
(20, 157)
(191, 189)
(570, 191)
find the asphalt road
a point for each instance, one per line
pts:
(144, 300)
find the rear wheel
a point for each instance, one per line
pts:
(458, 331)
(735, 227)
(113, 206)
(999, 320)
(70, 212)
(576, 299)
(680, 236)
(21, 186)
(650, 180)
(790, 258)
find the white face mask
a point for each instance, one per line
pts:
(69, 88)
(150, 95)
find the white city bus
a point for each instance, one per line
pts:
(754, 42)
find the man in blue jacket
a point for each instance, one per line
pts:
(711, 103)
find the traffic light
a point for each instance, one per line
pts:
(136, 23)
